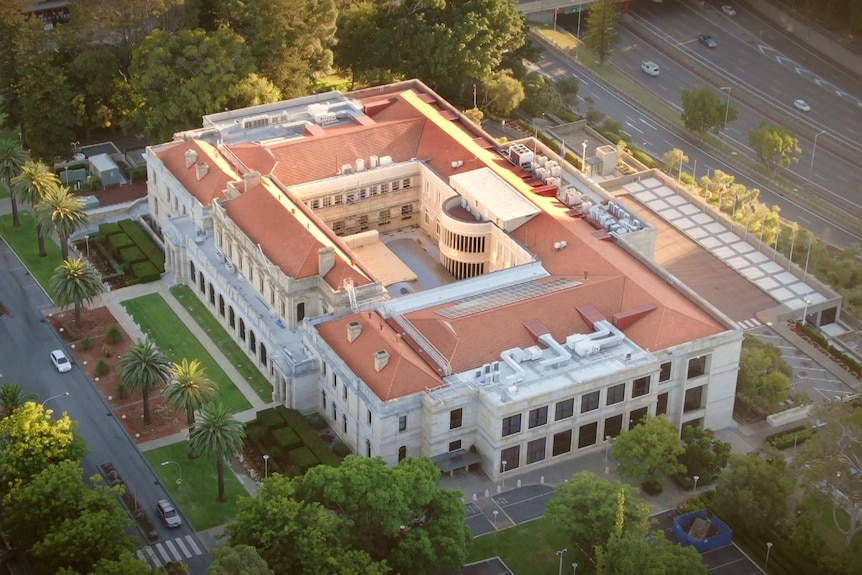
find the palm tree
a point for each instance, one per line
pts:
(13, 396)
(29, 187)
(190, 389)
(144, 368)
(219, 435)
(61, 212)
(12, 158)
(75, 282)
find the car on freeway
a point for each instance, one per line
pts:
(168, 514)
(707, 40)
(801, 105)
(60, 361)
(729, 10)
(650, 67)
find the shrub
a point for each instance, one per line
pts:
(340, 449)
(286, 438)
(146, 272)
(109, 228)
(102, 367)
(793, 437)
(86, 344)
(107, 351)
(652, 486)
(132, 255)
(270, 419)
(114, 334)
(303, 458)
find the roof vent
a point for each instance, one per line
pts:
(201, 169)
(381, 359)
(191, 158)
(354, 328)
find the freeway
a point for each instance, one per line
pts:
(26, 341)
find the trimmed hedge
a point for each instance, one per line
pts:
(286, 438)
(796, 436)
(270, 419)
(815, 334)
(302, 458)
(145, 242)
(146, 272)
(119, 241)
(110, 228)
(132, 255)
(293, 418)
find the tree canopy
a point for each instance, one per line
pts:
(629, 553)
(603, 20)
(703, 110)
(649, 449)
(236, 559)
(775, 146)
(763, 378)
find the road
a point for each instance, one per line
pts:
(773, 71)
(25, 344)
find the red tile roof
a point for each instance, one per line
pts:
(212, 185)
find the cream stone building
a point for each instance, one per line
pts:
(386, 264)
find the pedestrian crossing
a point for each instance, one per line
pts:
(163, 552)
(750, 323)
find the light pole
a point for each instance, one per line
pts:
(179, 479)
(607, 446)
(814, 151)
(584, 153)
(504, 462)
(574, 569)
(562, 552)
(805, 311)
(727, 107)
(265, 466)
(495, 512)
(64, 394)
(768, 549)
(696, 477)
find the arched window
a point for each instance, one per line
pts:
(241, 329)
(402, 453)
(263, 358)
(300, 311)
(252, 341)
(193, 273)
(221, 305)
(212, 294)
(231, 319)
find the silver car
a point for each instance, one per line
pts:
(168, 514)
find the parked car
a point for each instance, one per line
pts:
(168, 514)
(650, 67)
(802, 105)
(60, 361)
(729, 10)
(707, 41)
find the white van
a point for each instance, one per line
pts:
(650, 67)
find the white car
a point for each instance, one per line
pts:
(60, 361)
(729, 10)
(802, 105)
(650, 67)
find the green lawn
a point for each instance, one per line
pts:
(198, 494)
(157, 319)
(4, 192)
(208, 322)
(531, 549)
(23, 241)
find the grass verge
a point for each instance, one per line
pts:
(4, 192)
(159, 321)
(23, 241)
(231, 350)
(197, 496)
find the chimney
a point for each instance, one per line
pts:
(191, 158)
(325, 260)
(201, 169)
(381, 358)
(250, 180)
(354, 328)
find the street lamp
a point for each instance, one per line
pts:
(805, 311)
(768, 549)
(574, 569)
(179, 479)
(562, 552)
(727, 107)
(495, 512)
(504, 462)
(696, 477)
(814, 151)
(607, 446)
(64, 394)
(584, 154)
(265, 466)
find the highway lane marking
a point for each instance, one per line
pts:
(633, 127)
(648, 124)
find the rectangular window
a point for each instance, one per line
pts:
(564, 409)
(661, 405)
(396, 185)
(407, 210)
(616, 394)
(587, 435)
(637, 416)
(334, 412)
(640, 387)
(590, 402)
(327, 201)
(538, 416)
(512, 425)
(454, 445)
(456, 418)
(696, 366)
(338, 199)
(368, 411)
(402, 422)
(406, 183)
(664, 374)
(613, 426)
(323, 394)
(315, 204)
(383, 217)
(351, 197)
(343, 423)
(562, 442)
(510, 458)
(536, 450)
(343, 392)
(374, 189)
(693, 399)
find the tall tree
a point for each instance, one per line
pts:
(12, 159)
(504, 93)
(189, 389)
(775, 146)
(62, 213)
(704, 456)
(603, 20)
(13, 396)
(628, 554)
(238, 559)
(674, 160)
(12, 20)
(394, 513)
(291, 40)
(104, 97)
(586, 508)
(762, 380)
(30, 186)
(649, 450)
(218, 436)
(75, 282)
(145, 369)
(703, 110)
(32, 440)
